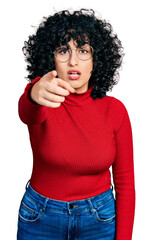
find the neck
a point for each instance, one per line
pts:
(84, 88)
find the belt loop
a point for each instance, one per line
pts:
(45, 204)
(27, 184)
(91, 206)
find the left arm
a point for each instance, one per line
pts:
(123, 176)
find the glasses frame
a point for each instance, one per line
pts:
(76, 53)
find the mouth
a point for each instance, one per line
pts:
(74, 74)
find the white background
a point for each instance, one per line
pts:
(131, 20)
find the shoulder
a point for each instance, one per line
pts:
(117, 111)
(114, 101)
(116, 105)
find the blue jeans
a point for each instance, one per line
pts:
(42, 218)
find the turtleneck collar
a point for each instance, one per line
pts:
(79, 98)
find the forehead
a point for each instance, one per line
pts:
(73, 38)
(73, 43)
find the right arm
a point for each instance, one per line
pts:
(47, 91)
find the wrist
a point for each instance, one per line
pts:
(29, 88)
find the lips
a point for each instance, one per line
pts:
(74, 74)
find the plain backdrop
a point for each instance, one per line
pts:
(131, 20)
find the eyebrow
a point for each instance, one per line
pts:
(68, 46)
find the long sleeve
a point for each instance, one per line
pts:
(29, 111)
(123, 175)
(69, 150)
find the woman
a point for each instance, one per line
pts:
(76, 133)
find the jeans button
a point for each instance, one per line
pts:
(71, 206)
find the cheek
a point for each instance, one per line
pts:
(60, 69)
(90, 67)
(57, 66)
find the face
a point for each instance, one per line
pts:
(79, 81)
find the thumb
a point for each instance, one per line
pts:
(51, 75)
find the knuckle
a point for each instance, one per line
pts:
(68, 85)
(39, 100)
(40, 92)
(58, 99)
(53, 88)
(54, 105)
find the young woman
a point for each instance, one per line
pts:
(77, 132)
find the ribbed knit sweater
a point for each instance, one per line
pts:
(74, 146)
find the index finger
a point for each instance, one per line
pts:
(62, 83)
(50, 75)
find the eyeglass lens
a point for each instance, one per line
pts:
(84, 53)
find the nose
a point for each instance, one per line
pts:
(73, 60)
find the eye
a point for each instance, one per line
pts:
(63, 51)
(83, 51)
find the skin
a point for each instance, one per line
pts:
(54, 86)
(85, 67)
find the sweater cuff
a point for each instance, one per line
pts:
(28, 90)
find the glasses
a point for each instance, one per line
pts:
(84, 53)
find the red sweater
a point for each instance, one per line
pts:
(74, 146)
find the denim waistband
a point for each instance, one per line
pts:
(68, 205)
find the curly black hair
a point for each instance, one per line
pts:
(58, 30)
